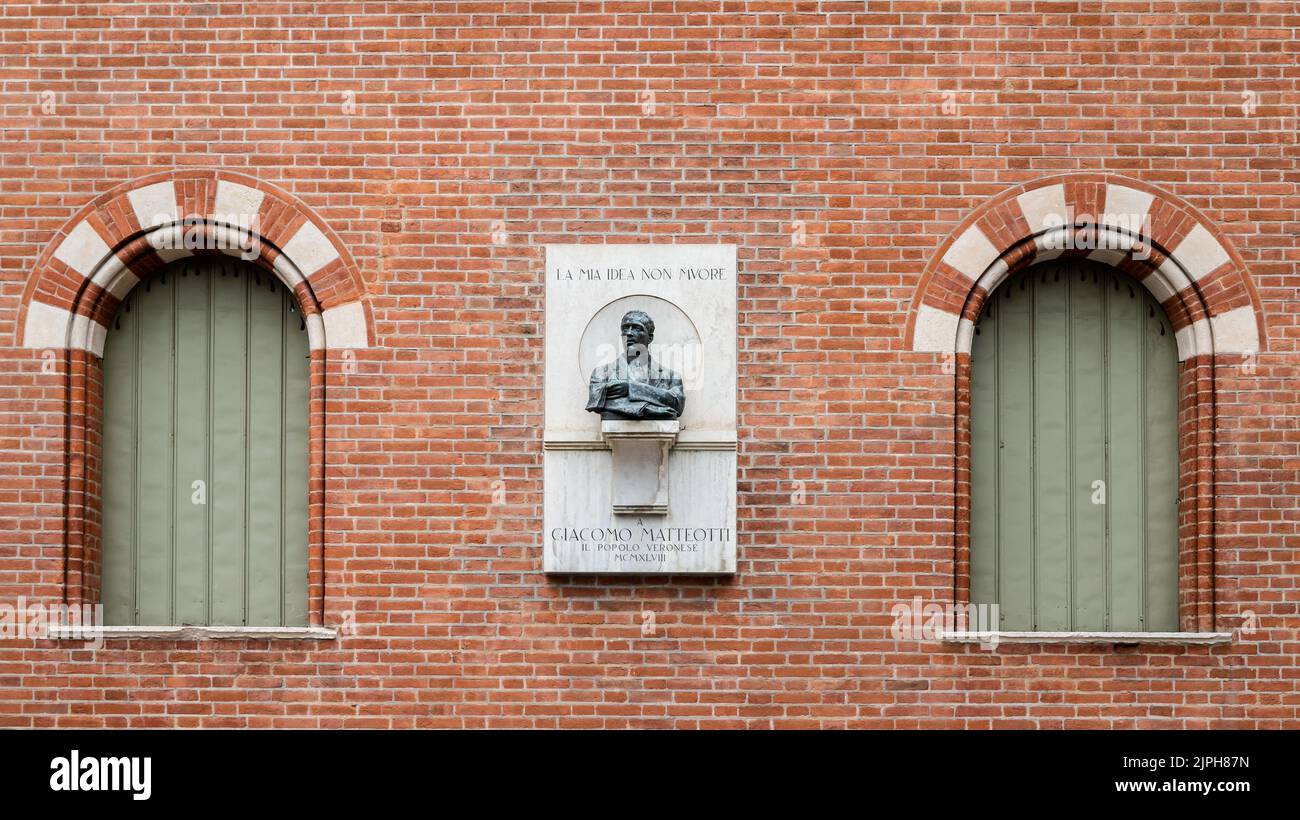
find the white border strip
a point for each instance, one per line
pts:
(1183, 638)
(193, 633)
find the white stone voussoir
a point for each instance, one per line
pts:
(1200, 253)
(82, 249)
(46, 326)
(1125, 207)
(87, 334)
(971, 254)
(1235, 331)
(154, 204)
(241, 202)
(345, 326)
(935, 331)
(1194, 340)
(1044, 207)
(310, 250)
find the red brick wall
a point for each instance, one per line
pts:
(867, 130)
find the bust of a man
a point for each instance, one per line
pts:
(633, 386)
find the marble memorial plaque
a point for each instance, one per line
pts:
(640, 438)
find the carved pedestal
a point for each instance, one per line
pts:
(640, 464)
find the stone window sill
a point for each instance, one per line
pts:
(194, 633)
(1165, 638)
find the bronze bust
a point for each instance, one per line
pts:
(633, 386)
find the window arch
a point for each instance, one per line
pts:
(1074, 453)
(205, 451)
(122, 239)
(1155, 239)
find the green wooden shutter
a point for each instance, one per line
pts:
(1074, 380)
(206, 380)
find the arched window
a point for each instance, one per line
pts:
(205, 451)
(1074, 453)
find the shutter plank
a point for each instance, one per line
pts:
(119, 480)
(1161, 456)
(192, 443)
(264, 454)
(154, 455)
(984, 459)
(1015, 472)
(1088, 447)
(1125, 482)
(229, 470)
(294, 500)
(1051, 369)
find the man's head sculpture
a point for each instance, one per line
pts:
(642, 318)
(634, 386)
(638, 330)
